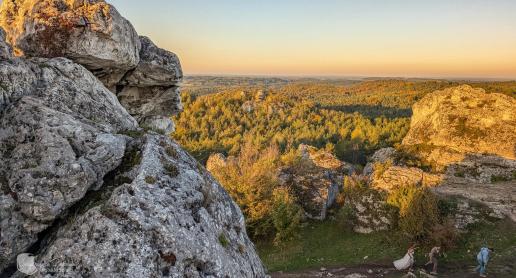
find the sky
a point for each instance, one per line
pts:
(402, 38)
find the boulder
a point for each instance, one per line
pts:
(323, 158)
(397, 176)
(150, 102)
(166, 217)
(157, 67)
(372, 213)
(315, 180)
(385, 155)
(91, 33)
(150, 92)
(463, 125)
(59, 136)
(82, 186)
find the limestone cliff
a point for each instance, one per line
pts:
(467, 138)
(463, 125)
(85, 183)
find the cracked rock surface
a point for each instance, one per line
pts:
(83, 186)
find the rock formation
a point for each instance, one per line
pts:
(316, 180)
(466, 127)
(93, 34)
(150, 91)
(82, 185)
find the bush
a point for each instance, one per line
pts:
(286, 216)
(380, 168)
(223, 240)
(346, 218)
(418, 211)
(444, 235)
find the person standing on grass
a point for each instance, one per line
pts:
(432, 258)
(483, 258)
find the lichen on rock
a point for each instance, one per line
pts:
(85, 183)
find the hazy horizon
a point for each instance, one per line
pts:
(415, 39)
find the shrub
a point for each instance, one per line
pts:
(346, 217)
(223, 240)
(444, 235)
(418, 211)
(380, 168)
(495, 179)
(150, 179)
(286, 216)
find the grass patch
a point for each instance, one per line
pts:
(495, 179)
(150, 179)
(326, 244)
(171, 170)
(223, 240)
(133, 133)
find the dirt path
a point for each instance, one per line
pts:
(367, 271)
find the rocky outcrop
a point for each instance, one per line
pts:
(500, 197)
(59, 136)
(84, 187)
(169, 217)
(372, 213)
(91, 33)
(463, 126)
(386, 172)
(382, 156)
(150, 92)
(315, 180)
(157, 67)
(397, 176)
(470, 137)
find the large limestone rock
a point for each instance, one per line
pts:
(80, 193)
(398, 176)
(381, 156)
(58, 139)
(144, 77)
(169, 218)
(150, 92)
(157, 67)
(91, 33)
(459, 124)
(469, 136)
(315, 180)
(152, 104)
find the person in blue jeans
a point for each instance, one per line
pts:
(483, 258)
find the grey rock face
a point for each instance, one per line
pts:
(58, 139)
(89, 201)
(169, 218)
(91, 33)
(157, 67)
(150, 92)
(316, 180)
(85, 199)
(143, 103)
